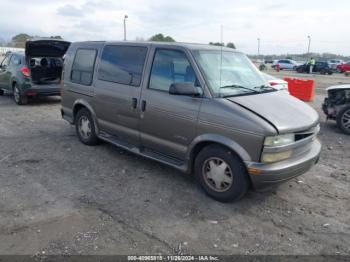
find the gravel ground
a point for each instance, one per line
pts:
(58, 196)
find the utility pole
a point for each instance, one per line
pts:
(222, 35)
(258, 46)
(308, 48)
(125, 17)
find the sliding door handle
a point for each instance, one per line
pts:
(143, 106)
(134, 103)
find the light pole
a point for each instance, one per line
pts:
(125, 17)
(308, 48)
(258, 46)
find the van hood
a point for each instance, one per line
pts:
(284, 112)
(46, 47)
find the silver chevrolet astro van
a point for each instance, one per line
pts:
(201, 109)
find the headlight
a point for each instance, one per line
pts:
(274, 157)
(280, 140)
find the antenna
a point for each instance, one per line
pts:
(221, 44)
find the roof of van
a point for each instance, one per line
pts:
(192, 46)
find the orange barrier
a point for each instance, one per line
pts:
(301, 88)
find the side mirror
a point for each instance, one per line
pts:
(185, 89)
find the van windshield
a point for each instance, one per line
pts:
(230, 73)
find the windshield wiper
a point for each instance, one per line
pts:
(262, 87)
(240, 87)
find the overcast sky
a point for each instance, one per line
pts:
(282, 25)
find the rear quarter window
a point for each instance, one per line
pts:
(83, 66)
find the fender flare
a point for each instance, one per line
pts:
(84, 103)
(222, 140)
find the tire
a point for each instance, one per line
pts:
(1, 92)
(322, 72)
(18, 97)
(343, 120)
(85, 127)
(232, 184)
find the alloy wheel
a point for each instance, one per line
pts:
(16, 94)
(345, 119)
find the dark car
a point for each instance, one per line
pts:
(177, 104)
(337, 106)
(35, 72)
(320, 67)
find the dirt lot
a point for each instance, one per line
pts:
(58, 196)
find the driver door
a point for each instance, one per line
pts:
(168, 122)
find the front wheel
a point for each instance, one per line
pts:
(221, 174)
(343, 120)
(85, 127)
(19, 98)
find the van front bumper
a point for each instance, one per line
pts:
(265, 175)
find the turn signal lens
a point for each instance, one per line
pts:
(274, 157)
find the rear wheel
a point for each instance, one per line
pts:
(85, 128)
(343, 120)
(221, 174)
(19, 98)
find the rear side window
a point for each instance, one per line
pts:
(15, 60)
(122, 64)
(83, 66)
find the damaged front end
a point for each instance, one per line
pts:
(337, 106)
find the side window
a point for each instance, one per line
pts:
(15, 60)
(170, 66)
(122, 64)
(83, 66)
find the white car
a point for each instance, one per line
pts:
(333, 63)
(285, 64)
(276, 83)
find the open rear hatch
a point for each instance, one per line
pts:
(46, 47)
(45, 59)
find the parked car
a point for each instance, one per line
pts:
(276, 83)
(198, 108)
(320, 67)
(337, 106)
(285, 64)
(333, 63)
(35, 72)
(344, 67)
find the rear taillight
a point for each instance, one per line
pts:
(25, 71)
(273, 83)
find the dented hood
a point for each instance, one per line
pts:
(46, 47)
(284, 112)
